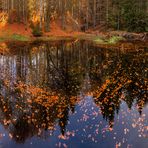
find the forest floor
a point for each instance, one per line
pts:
(20, 32)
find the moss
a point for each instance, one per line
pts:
(99, 41)
(14, 37)
(114, 39)
(19, 37)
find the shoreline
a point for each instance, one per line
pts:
(104, 40)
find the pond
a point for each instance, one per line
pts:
(73, 94)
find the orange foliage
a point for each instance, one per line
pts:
(3, 48)
(56, 30)
(3, 19)
(35, 18)
(15, 28)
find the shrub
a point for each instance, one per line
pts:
(36, 30)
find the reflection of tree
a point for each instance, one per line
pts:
(127, 82)
(36, 109)
(63, 121)
(109, 101)
(21, 129)
(64, 77)
(38, 112)
(39, 85)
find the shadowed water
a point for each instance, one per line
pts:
(73, 94)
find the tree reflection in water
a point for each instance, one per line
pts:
(128, 82)
(40, 85)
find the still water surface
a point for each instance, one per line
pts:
(73, 94)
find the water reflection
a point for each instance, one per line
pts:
(42, 86)
(127, 81)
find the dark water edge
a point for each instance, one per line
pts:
(73, 94)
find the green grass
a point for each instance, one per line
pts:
(14, 37)
(114, 39)
(19, 37)
(94, 38)
(99, 40)
(111, 40)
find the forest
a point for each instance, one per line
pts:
(77, 15)
(73, 73)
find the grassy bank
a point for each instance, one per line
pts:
(14, 37)
(98, 39)
(25, 38)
